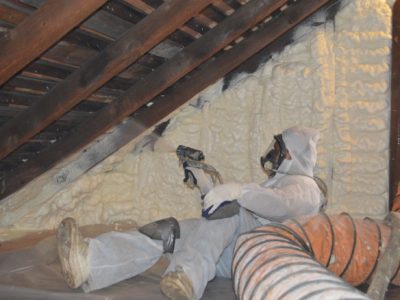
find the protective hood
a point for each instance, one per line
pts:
(301, 143)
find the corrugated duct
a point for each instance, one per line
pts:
(303, 259)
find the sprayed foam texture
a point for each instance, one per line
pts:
(335, 77)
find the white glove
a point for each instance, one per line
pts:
(218, 195)
(197, 177)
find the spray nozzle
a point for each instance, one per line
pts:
(194, 158)
(186, 153)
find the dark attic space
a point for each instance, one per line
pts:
(199, 149)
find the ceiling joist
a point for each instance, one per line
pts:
(41, 30)
(97, 71)
(179, 94)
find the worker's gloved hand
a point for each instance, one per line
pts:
(197, 177)
(220, 202)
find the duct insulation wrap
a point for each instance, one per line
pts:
(304, 258)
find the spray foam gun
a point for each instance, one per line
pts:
(193, 158)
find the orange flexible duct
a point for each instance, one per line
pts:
(350, 248)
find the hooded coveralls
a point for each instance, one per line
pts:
(205, 247)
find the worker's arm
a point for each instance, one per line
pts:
(298, 196)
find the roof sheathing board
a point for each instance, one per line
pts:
(74, 52)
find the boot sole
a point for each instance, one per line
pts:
(68, 240)
(172, 286)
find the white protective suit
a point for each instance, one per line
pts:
(284, 196)
(205, 247)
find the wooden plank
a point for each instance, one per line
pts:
(132, 101)
(148, 9)
(51, 72)
(136, 71)
(64, 58)
(181, 38)
(57, 17)
(34, 3)
(45, 70)
(394, 164)
(176, 68)
(107, 25)
(124, 11)
(235, 4)
(166, 49)
(266, 37)
(97, 71)
(29, 85)
(198, 26)
(86, 39)
(72, 116)
(40, 87)
(223, 7)
(214, 14)
(11, 15)
(205, 20)
(19, 99)
(69, 54)
(19, 6)
(23, 100)
(141, 6)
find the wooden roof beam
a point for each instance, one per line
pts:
(39, 31)
(171, 71)
(185, 61)
(148, 9)
(223, 7)
(97, 71)
(266, 39)
(164, 105)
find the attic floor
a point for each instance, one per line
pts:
(30, 270)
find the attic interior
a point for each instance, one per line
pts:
(96, 95)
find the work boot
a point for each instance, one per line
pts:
(177, 286)
(72, 252)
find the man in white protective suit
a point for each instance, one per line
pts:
(200, 249)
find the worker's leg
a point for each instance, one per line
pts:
(116, 256)
(246, 222)
(201, 245)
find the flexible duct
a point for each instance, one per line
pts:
(287, 261)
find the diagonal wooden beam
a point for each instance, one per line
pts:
(266, 39)
(163, 105)
(394, 163)
(93, 74)
(38, 32)
(148, 9)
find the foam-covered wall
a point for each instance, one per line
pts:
(335, 77)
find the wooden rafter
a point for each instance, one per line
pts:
(264, 38)
(97, 71)
(223, 7)
(11, 15)
(41, 30)
(148, 9)
(394, 167)
(163, 105)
